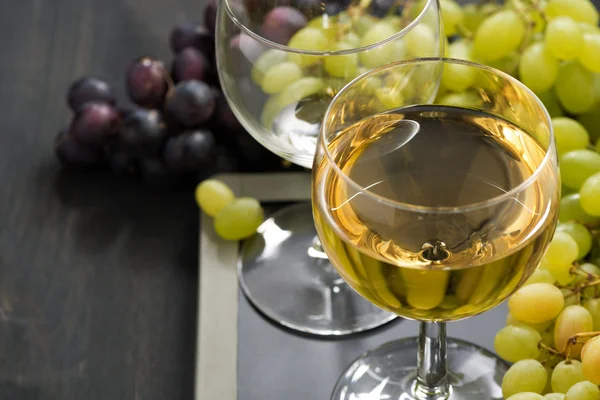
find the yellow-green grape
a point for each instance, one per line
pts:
(590, 54)
(569, 135)
(352, 39)
(526, 396)
(540, 275)
(499, 35)
(554, 396)
(583, 391)
(566, 374)
(588, 28)
(421, 42)
(212, 196)
(536, 303)
(327, 24)
(591, 361)
(591, 121)
(382, 54)
(363, 23)
(280, 76)
(264, 62)
(239, 219)
(472, 16)
(524, 376)
(593, 307)
(538, 68)
(551, 103)
(517, 342)
(425, 289)
(577, 166)
(580, 234)
(575, 88)
(458, 77)
(589, 195)
(564, 38)
(302, 88)
(592, 273)
(579, 10)
(541, 327)
(462, 99)
(561, 251)
(307, 38)
(452, 16)
(342, 66)
(571, 321)
(377, 33)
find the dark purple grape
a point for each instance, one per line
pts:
(75, 154)
(190, 151)
(96, 123)
(190, 64)
(281, 23)
(334, 7)
(121, 162)
(85, 90)
(210, 15)
(144, 132)
(191, 103)
(193, 35)
(380, 8)
(154, 171)
(147, 83)
(224, 117)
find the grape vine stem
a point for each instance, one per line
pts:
(577, 339)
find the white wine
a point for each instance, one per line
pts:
(413, 209)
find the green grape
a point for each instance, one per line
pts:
(307, 38)
(458, 77)
(551, 103)
(363, 24)
(566, 374)
(591, 121)
(579, 10)
(593, 306)
(499, 35)
(570, 209)
(264, 62)
(377, 33)
(342, 66)
(516, 343)
(583, 391)
(580, 234)
(589, 195)
(526, 396)
(508, 64)
(591, 361)
(569, 135)
(571, 321)
(541, 327)
(421, 42)
(352, 39)
(590, 54)
(472, 16)
(452, 16)
(302, 88)
(577, 166)
(564, 38)
(212, 195)
(540, 275)
(592, 272)
(280, 76)
(554, 396)
(563, 275)
(588, 28)
(239, 219)
(538, 68)
(561, 251)
(536, 303)
(384, 54)
(575, 88)
(464, 99)
(524, 376)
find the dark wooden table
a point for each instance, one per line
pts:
(97, 275)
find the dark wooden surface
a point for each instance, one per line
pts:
(97, 276)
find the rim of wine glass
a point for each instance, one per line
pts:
(550, 151)
(288, 49)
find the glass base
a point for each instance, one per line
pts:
(389, 372)
(286, 276)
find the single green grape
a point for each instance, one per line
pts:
(569, 135)
(590, 54)
(516, 343)
(591, 121)
(575, 88)
(536, 303)
(562, 250)
(570, 210)
(580, 234)
(342, 66)
(583, 391)
(524, 376)
(551, 103)
(212, 196)
(593, 306)
(566, 374)
(264, 62)
(579, 10)
(280, 76)
(452, 16)
(458, 77)
(239, 219)
(577, 166)
(421, 41)
(472, 16)
(591, 361)
(307, 38)
(540, 275)
(526, 396)
(589, 195)
(499, 35)
(554, 396)
(564, 38)
(461, 99)
(538, 69)
(572, 320)
(302, 88)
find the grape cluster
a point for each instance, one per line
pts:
(180, 125)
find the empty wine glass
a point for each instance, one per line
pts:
(435, 212)
(280, 63)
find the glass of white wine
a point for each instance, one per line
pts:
(280, 64)
(435, 212)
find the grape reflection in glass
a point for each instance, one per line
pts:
(280, 64)
(435, 212)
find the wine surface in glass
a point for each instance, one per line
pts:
(433, 240)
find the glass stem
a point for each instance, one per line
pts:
(432, 376)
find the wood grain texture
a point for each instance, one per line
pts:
(98, 280)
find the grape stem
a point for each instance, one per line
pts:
(577, 339)
(549, 349)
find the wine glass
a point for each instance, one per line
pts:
(435, 212)
(280, 63)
